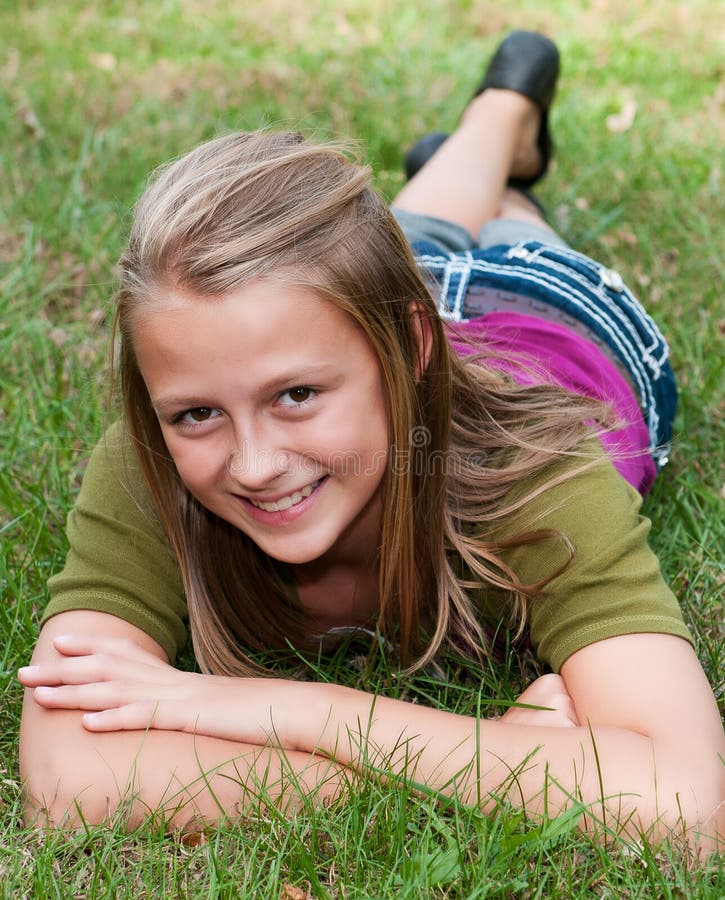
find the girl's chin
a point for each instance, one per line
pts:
(295, 557)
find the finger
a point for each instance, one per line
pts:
(87, 645)
(547, 691)
(544, 702)
(166, 715)
(545, 686)
(540, 718)
(561, 702)
(98, 696)
(93, 668)
(79, 670)
(106, 695)
(136, 716)
(571, 711)
(32, 676)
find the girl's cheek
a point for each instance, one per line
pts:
(194, 467)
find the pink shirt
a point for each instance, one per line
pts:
(560, 356)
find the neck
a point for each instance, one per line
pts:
(340, 592)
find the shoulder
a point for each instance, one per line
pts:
(604, 579)
(119, 561)
(113, 483)
(573, 490)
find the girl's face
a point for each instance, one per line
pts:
(271, 403)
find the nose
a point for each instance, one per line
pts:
(257, 461)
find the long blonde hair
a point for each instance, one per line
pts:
(244, 206)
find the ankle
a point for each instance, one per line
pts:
(501, 104)
(514, 120)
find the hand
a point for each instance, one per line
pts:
(128, 688)
(547, 691)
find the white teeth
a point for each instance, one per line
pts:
(286, 502)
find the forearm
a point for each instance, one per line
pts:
(71, 774)
(626, 780)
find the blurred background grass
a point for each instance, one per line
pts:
(94, 96)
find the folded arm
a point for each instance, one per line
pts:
(72, 774)
(647, 755)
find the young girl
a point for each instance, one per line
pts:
(302, 453)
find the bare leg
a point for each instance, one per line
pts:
(465, 180)
(515, 205)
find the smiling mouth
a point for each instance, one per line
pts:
(286, 502)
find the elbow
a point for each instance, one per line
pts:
(702, 809)
(66, 780)
(688, 805)
(653, 790)
(57, 795)
(51, 804)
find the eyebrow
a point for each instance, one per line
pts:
(297, 376)
(165, 405)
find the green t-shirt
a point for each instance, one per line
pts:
(119, 561)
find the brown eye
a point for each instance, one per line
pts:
(297, 396)
(197, 415)
(200, 414)
(300, 394)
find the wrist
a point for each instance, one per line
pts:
(329, 719)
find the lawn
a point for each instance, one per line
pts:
(94, 96)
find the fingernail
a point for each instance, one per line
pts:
(28, 670)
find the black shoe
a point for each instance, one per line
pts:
(528, 63)
(525, 62)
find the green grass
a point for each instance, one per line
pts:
(92, 97)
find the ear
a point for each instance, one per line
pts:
(423, 336)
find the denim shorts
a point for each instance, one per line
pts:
(456, 239)
(516, 260)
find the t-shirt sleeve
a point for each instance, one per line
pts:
(613, 584)
(118, 561)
